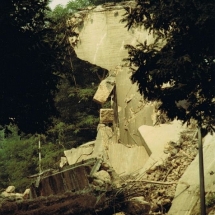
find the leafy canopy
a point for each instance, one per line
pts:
(181, 73)
(31, 54)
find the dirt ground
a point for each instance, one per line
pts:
(66, 205)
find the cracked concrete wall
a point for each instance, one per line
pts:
(132, 109)
(102, 38)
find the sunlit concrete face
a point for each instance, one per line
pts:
(102, 37)
(102, 40)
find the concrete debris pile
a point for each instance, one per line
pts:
(9, 194)
(156, 187)
(146, 192)
(127, 170)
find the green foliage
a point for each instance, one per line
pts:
(74, 6)
(76, 88)
(30, 55)
(79, 114)
(181, 73)
(44, 88)
(19, 158)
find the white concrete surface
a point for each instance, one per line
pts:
(186, 199)
(103, 36)
(127, 159)
(156, 137)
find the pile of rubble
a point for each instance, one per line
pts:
(9, 194)
(150, 192)
(153, 191)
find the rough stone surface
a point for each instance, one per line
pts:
(103, 36)
(104, 89)
(104, 46)
(137, 205)
(106, 115)
(186, 199)
(10, 189)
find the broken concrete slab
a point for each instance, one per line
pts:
(132, 110)
(10, 189)
(155, 139)
(10, 194)
(63, 162)
(104, 45)
(186, 199)
(78, 154)
(126, 159)
(104, 89)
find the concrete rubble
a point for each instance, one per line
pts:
(136, 164)
(104, 89)
(10, 194)
(186, 201)
(167, 154)
(144, 156)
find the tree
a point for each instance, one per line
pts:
(19, 157)
(31, 58)
(180, 74)
(78, 114)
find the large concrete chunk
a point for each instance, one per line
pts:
(186, 200)
(104, 90)
(102, 42)
(103, 36)
(10, 189)
(83, 152)
(155, 139)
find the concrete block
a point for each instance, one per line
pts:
(10, 189)
(104, 90)
(106, 115)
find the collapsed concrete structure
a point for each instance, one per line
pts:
(129, 147)
(102, 40)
